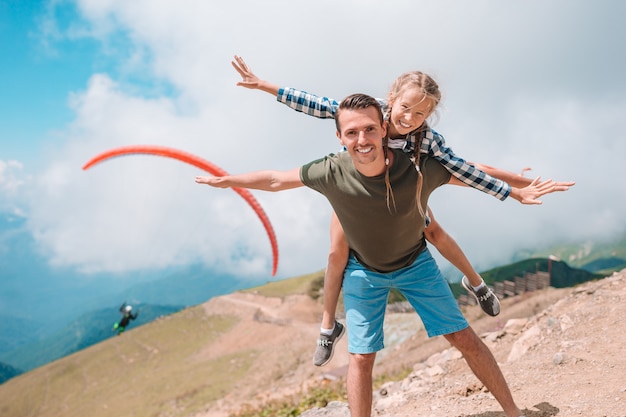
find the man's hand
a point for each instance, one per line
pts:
(212, 181)
(524, 170)
(536, 189)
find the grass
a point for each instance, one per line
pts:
(299, 285)
(398, 375)
(297, 404)
(317, 397)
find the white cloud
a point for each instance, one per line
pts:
(562, 140)
(521, 88)
(13, 180)
(10, 175)
(138, 212)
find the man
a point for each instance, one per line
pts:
(127, 316)
(373, 192)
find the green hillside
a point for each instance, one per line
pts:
(16, 332)
(94, 327)
(562, 275)
(7, 372)
(145, 371)
(304, 284)
(603, 257)
(86, 330)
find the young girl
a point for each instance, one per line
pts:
(413, 97)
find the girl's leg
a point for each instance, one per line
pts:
(449, 249)
(337, 260)
(472, 281)
(331, 330)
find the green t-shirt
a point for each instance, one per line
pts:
(381, 238)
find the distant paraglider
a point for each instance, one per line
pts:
(199, 163)
(127, 316)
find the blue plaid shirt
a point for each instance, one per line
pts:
(432, 143)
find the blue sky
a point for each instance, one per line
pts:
(35, 78)
(525, 83)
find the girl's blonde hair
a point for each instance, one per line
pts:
(430, 90)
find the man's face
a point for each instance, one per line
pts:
(361, 134)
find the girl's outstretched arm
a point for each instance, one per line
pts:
(251, 81)
(298, 100)
(537, 189)
(512, 178)
(525, 190)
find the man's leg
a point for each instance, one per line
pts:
(430, 295)
(359, 384)
(484, 365)
(365, 295)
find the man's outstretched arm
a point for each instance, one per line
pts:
(259, 180)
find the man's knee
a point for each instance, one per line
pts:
(464, 340)
(363, 361)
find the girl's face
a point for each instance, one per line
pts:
(409, 110)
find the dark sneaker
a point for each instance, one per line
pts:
(326, 345)
(486, 298)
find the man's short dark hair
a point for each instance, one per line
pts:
(355, 102)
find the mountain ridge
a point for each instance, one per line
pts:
(93, 327)
(221, 358)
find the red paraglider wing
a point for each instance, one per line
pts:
(199, 163)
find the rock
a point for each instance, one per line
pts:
(529, 339)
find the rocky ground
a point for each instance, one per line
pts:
(563, 352)
(567, 360)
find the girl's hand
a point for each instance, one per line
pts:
(536, 189)
(249, 80)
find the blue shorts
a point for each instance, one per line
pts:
(365, 296)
